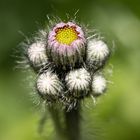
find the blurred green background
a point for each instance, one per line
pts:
(117, 114)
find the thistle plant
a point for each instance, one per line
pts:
(68, 61)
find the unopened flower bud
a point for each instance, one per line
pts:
(97, 52)
(98, 85)
(37, 54)
(78, 80)
(49, 84)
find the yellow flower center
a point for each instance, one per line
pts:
(66, 35)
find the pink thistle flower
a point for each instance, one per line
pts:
(66, 40)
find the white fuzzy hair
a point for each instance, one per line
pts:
(49, 83)
(78, 79)
(98, 84)
(97, 50)
(37, 53)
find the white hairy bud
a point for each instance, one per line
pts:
(97, 51)
(98, 85)
(48, 83)
(37, 53)
(78, 80)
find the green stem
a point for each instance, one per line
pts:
(73, 123)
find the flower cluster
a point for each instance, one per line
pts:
(68, 64)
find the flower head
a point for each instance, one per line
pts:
(97, 52)
(37, 53)
(98, 85)
(78, 80)
(68, 60)
(65, 40)
(49, 84)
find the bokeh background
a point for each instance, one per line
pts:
(117, 114)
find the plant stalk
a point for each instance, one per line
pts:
(72, 119)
